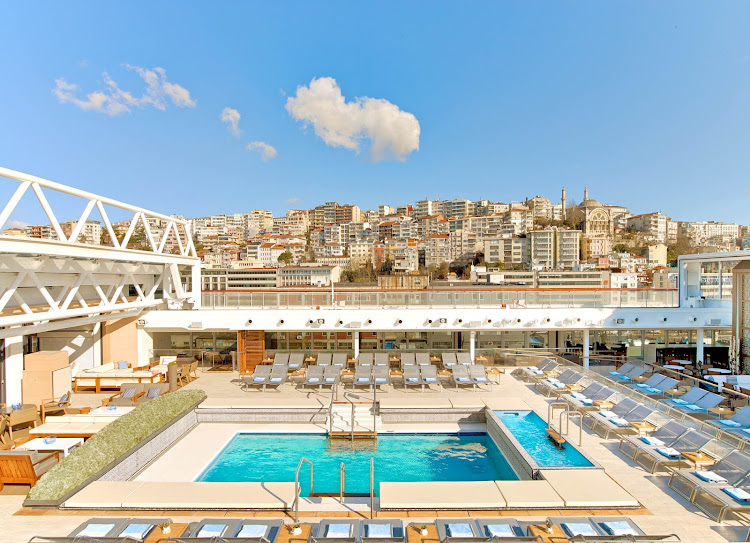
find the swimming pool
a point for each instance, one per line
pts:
(398, 458)
(529, 430)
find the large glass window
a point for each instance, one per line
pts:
(514, 340)
(442, 341)
(679, 337)
(417, 341)
(226, 342)
(394, 340)
(203, 341)
(368, 341)
(489, 340)
(539, 340)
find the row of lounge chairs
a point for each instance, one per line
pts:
(296, 360)
(345, 530)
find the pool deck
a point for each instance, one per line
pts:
(662, 510)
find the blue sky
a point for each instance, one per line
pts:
(644, 102)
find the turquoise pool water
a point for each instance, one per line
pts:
(398, 457)
(529, 429)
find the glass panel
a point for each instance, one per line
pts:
(514, 340)
(489, 340)
(368, 341)
(226, 342)
(539, 340)
(394, 340)
(442, 341)
(417, 341)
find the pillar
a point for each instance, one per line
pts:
(472, 341)
(13, 369)
(721, 270)
(195, 286)
(586, 349)
(355, 338)
(699, 347)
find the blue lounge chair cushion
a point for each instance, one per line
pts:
(586, 401)
(614, 373)
(747, 431)
(96, 530)
(642, 385)
(738, 494)
(484, 380)
(652, 440)
(429, 380)
(678, 401)
(136, 531)
(378, 530)
(252, 530)
(275, 379)
(330, 379)
(412, 379)
(578, 528)
(313, 380)
(669, 452)
(578, 395)
(122, 365)
(619, 527)
(459, 530)
(380, 379)
(462, 379)
(619, 422)
(211, 530)
(63, 400)
(606, 414)
(653, 390)
(363, 380)
(499, 530)
(709, 476)
(694, 407)
(730, 423)
(258, 379)
(338, 530)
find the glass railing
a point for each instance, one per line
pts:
(357, 299)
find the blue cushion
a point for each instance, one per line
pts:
(709, 476)
(669, 452)
(459, 530)
(377, 530)
(209, 530)
(137, 531)
(730, 423)
(499, 530)
(122, 365)
(619, 527)
(578, 528)
(338, 530)
(96, 530)
(738, 494)
(252, 530)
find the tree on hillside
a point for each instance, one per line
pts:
(285, 258)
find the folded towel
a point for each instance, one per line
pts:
(252, 530)
(338, 530)
(619, 527)
(378, 530)
(330, 379)
(363, 379)
(313, 380)
(678, 401)
(578, 528)
(669, 452)
(619, 422)
(136, 531)
(747, 431)
(258, 379)
(412, 379)
(652, 440)
(586, 401)
(709, 476)
(429, 380)
(499, 530)
(211, 530)
(459, 530)
(737, 493)
(730, 423)
(613, 373)
(694, 407)
(642, 385)
(556, 385)
(275, 379)
(578, 395)
(552, 380)
(653, 390)
(462, 379)
(96, 530)
(606, 414)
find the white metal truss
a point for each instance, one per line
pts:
(55, 283)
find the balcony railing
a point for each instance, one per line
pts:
(357, 299)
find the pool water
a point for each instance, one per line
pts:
(529, 429)
(398, 457)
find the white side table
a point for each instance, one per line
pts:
(63, 444)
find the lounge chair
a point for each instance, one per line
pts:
(461, 377)
(126, 397)
(412, 377)
(429, 376)
(626, 368)
(459, 529)
(619, 527)
(502, 528)
(733, 469)
(281, 358)
(382, 359)
(259, 378)
(550, 367)
(381, 375)
(612, 530)
(632, 374)
(478, 375)
(296, 361)
(277, 377)
(423, 359)
(134, 529)
(739, 422)
(365, 359)
(464, 359)
(651, 457)
(577, 527)
(663, 436)
(381, 531)
(620, 409)
(620, 425)
(25, 467)
(407, 359)
(556, 385)
(331, 376)
(362, 377)
(654, 379)
(340, 359)
(449, 360)
(586, 392)
(151, 391)
(54, 406)
(213, 528)
(659, 389)
(314, 376)
(690, 397)
(727, 498)
(341, 530)
(324, 359)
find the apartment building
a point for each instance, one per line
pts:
(508, 250)
(308, 275)
(464, 245)
(437, 249)
(701, 232)
(652, 224)
(555, 248)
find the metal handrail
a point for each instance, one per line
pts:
(372, 487)
(297, 488)
(567, 414)
(342, 482)
(352, 428)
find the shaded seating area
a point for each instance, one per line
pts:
(25, 467)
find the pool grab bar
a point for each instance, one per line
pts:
(297, 489)
(567, 415)
(372, 487)
(342, 486)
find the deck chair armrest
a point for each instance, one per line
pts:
(56, 454)
(49, 400)
(136, 396)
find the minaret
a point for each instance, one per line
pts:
(564, 200)
(586, 193)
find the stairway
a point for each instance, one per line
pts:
(340, 420)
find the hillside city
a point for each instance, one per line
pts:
(591, 244)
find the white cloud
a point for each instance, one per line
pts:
(294, 200)
(114, 101)
(232, 118)
(267, 152)
(13, 223)
(393, 133)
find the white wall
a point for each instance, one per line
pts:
(83, 346)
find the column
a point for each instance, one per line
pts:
(699, 347)
(472, 341)
(195, 287)
(13, 369)
(586, 349)
(721, 280)
(355, 339)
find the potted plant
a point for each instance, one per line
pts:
(296, 528)
(423, 530)
(166, 527)
(548, 526)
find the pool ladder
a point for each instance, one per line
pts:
(565, 413)
(342, 484)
